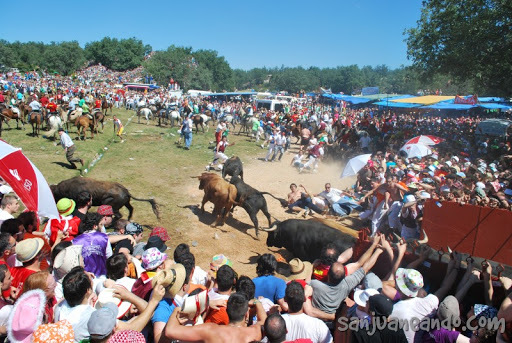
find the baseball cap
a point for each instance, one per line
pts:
(381, 305)
(103, 321)
(449, 309)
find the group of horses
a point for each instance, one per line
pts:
(61, 118)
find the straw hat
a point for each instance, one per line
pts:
(107, 296)
(172, 279)
(66, 260)
(300, 270)
(194, 306)
(27, 249)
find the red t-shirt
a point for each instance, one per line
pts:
(19, 275)
(6, 293)
(97, 104)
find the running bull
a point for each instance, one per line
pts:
(102, 192)
(220, 192)
(233, 167)
(252, 201)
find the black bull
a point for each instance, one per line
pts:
(102, 192)
(306, 238)
(233, 167)
(252, 201)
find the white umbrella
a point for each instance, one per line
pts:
(425, 140)
(416, 150)
(355, 164)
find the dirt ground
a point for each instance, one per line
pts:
(237, 238)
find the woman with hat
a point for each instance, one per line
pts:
(29, 253)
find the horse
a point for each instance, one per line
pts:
(54, 122)
(246, 125)
(200, 119)
(83, 123)
(146, 112)
(9, 113)
(105, 105)
(229, 119)
(99, 117)
(36, 120)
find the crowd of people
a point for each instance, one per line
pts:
(88, 277)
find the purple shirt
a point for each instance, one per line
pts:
(94, 251)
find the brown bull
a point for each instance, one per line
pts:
(220, 192)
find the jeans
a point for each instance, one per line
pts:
(188, 138)
(278, 149)
(306, 202)
(345, 206)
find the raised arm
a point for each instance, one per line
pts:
(138, 323)
(488, 289)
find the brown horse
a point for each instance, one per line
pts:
(99, 117)
(36, 119)
(105, 105)
(83, 123)
(8, 114)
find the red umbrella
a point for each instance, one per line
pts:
(425, 140)
(26, 181)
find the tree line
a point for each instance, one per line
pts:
(439, 62)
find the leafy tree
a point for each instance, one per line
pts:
(64, 58)
(117, 54)
(222, 74)
(470, 40)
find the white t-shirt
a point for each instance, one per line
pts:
(4, 314)
(304, 326)
(199, 277)
(77, 316)
(414, 308)
(4, 215)
(333, 196)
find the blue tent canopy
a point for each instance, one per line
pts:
(448, 106)
(491, 99)
(396, 104)
(351, 99)
(491, 106)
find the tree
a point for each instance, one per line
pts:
(222, 74)
(64, 58)
(120, 55)
(470, 40)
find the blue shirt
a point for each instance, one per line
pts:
(270, 287)
(163, 311)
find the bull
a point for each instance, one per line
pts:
(102, 192)
(220, 192)
(252, 201)
(306, 238)
(233, 167)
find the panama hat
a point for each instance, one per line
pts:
(300, 270)
(409, 281)
(66, 260)
(107, 296)
(66, 206)
(361, 296)
(194, 306)
(172, 279)
(27, 249)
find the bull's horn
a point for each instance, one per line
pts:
(425, 238)
(272, 228)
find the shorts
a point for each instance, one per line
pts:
(304, 141)
(120, 131)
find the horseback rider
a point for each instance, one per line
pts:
(35, 106)
(52, 109)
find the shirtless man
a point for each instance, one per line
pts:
(236, 331)
(391, 204)
(299, 200)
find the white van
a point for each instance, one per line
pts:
(271, 105)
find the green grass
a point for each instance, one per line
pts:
(148, 163)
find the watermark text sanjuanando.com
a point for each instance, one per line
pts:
(426, 324)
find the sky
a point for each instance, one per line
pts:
(248, 34)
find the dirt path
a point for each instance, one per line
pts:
(237, 239)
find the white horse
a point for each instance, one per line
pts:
(146, 112)
(174, 116)
(55, 122)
